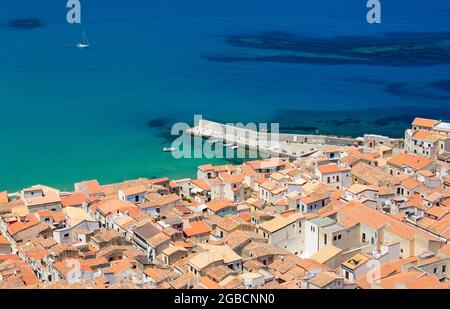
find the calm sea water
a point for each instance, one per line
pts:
(68, 114)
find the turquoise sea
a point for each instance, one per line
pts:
(105, 112)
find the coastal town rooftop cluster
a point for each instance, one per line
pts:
(366, 216)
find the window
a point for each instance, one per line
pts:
(347, 275)
(444, 268)
(363, 238)
(66, 235)
(328, 179)
(325, 239)
(337, 178)
(435, 270)
(136, 198)
(334, 238)
(339, 236)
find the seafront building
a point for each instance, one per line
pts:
(371, 214)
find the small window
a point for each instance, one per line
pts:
(339, 236)
(435, 270)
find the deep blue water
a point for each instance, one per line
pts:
(69, 114)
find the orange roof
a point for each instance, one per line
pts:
(219, 204)
(158, 180)
(110, 206)
(3, 197)
(93, 187)
(7, 257)
(437, 212)
(428, 136)
(248, 171)
(121, 265)
(260, 181)
(265, 164)
(386, 269)
(173, 184)
(134, 190)
(224, 168)
(183, 244)
(282, 202)
(201, 184)
(424, 122)
(422, 135)
(406, 160)
(445, 250)
(209, 284)
(36, 253)
(410, 279)
(329, 168)
(19, 226)
(237, 178)
(161, 200)
(56, 216)
(3, 240)
(246, 216)
(195, 228)
(206, 167)
(73, 199)
(66, 265)
(22, 271)
(446, 203)
(410, 183)
(359, 212)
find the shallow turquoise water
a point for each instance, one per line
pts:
(69, 114)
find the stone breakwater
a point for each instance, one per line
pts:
(279, 144)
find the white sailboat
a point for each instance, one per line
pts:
(168, 149)
(84, 43)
